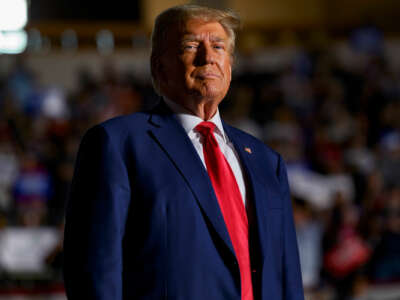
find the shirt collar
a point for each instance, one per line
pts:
(189, 121)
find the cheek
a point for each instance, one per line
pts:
(178, 76)
(189, 80)
(185, 71)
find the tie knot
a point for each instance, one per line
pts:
(205, 128)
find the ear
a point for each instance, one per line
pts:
(154, 67)
(230, 72)
(158, 75)
(158, 70)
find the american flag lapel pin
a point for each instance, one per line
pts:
(247, 149)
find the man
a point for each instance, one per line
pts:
(166, 206)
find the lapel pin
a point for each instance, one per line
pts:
(247, 149)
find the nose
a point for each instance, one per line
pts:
(205, 54)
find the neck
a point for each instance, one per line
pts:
(203, 109)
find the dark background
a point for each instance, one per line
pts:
(84, 10)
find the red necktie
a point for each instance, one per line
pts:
(230, 202)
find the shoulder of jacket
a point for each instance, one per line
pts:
(253, 141)
(119, 128)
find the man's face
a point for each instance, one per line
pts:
(196, 67)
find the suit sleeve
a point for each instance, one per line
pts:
(95, 220)
(292, 281)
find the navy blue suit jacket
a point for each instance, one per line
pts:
(143, 221)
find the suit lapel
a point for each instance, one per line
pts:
(173, 139)
(263, 186)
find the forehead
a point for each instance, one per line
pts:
(200, 29)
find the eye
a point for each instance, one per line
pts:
(219, 46)
(190, 47)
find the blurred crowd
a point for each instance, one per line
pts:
(336, 123)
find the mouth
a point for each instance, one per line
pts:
(207, 75)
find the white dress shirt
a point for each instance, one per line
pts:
(190, 121)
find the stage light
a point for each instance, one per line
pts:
(13, 42)
(13, 14)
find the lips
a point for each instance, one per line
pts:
(207, 75)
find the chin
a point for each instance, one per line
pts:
(210, 92)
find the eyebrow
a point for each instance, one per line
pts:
(193, 37)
